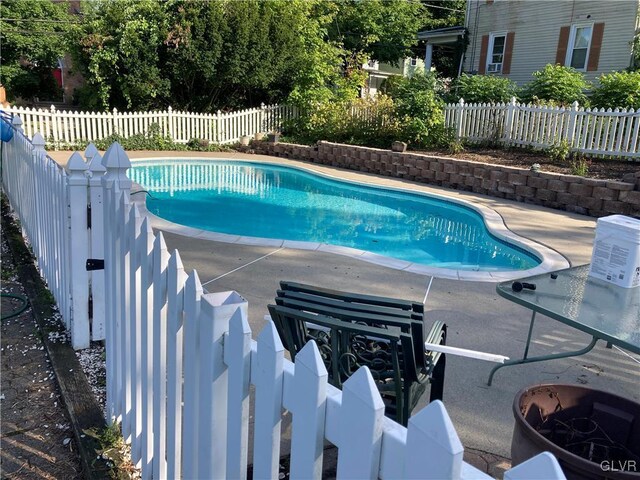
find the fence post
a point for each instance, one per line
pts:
(170, 123)
(16, 121)
(218, 127)
(37, 152)
(459, 118)
(116, 162)
(571, 130)
(78, 242)
(262, 128)
(508, 121)
(54, 127)
(97, 292)
(114, 121)
(216, 311)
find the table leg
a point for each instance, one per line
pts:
(543, 358)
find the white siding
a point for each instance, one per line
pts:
(537, 27)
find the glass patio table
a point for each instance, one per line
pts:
(601, 309)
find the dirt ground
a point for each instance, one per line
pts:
(37, 440)
(597, 167)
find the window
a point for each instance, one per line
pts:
(414, 62)
(495, 58)
(578, 49)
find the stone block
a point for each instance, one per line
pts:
(428, 175)
(567, 198)
(616, 208)
(489, 184)
(471, 181)
(622, 186)
(436, 166)
(450, 167)
(524, 191)
(456, 179)
(517, 179)
(398, 146)
(505, 187)
(577, 209)
(546, 195)
(557, 185)
(590, 203)
(498, 175)
(604, 193)
(632, 197)
(480, 172)
(442, 176)
(537, 182)
(410, 160)
(580, 189)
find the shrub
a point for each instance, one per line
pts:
(419, 108)
(559, 152)
(557, 85)
(617, 89)
(483, 89)
(359, 122)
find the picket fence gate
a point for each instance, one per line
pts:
(596, 132)
(52, 205)
(181, 362)
(66, 128)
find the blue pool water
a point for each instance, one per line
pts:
(259, 200)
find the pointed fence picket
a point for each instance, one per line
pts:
(180, 362)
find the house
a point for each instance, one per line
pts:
(516, 38)
(380, 71)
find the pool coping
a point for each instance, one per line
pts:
(551, 259)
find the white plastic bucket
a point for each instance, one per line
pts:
(616, 251)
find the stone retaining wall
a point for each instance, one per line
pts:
(564, 192)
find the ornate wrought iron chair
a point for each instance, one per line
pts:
(351, 330)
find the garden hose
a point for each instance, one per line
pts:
(22, 308)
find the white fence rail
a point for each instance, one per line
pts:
(62, 128)
(180, 362)
(598, 132)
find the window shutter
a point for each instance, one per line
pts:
(563, 40)
(484, 46)
(596, 44)
(508, 53)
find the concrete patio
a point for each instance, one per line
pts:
(477, 317)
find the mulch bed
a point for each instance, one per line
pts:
(597, 167)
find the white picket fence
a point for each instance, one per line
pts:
(62, 128)
(180, 362)
(597, 132)
(51, 203)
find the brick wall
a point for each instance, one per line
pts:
(564, 192)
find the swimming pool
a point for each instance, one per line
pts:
(277, 202)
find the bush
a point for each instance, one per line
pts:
(419, 108)
(360, 122)
(483, 89)
(556, 84)
(617, 89)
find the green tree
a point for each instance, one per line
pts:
(384, 30)
(31, 35)
(117, 48)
